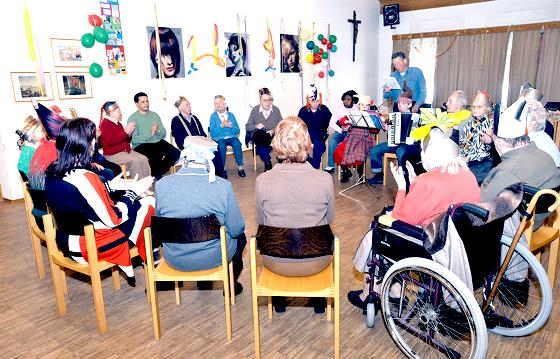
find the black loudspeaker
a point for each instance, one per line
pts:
(391, 15)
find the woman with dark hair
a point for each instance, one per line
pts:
(290, 54)
(170, 56)
(72, 188)
(237, 55)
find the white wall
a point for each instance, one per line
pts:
(478, 15)
(68, 19)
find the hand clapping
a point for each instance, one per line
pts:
(399, 176)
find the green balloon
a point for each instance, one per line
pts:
(332, 39)
(96, 70)
(325, 55)
(316, 49)
(331, 73)
(320, 37)
(88, 40)
(100, 34)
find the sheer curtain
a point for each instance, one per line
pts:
(402, 45)
(549, 73)
(470, 63)
(523, 61)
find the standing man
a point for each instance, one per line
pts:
(316, 116)
(406, 76)
(148, 137)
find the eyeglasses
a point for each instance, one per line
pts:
(267, 99)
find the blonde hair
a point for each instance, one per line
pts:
(219, 97)
(179, 100)
(291, 140)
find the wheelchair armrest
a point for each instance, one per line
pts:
(403, 227)
(386, 220)
(480, 212)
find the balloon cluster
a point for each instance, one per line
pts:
(88, 40)
(318, 54)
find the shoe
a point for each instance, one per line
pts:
(346, 174)
(376, 179)
(204, 285)
(279, 304)
(319, 305)
(223, 174)
(396, 302)
(238, 288)
(329, 169)
(131, 281)
(267, 166)
(513, 293)
(451, 322)
(354, 298)
(241, 173)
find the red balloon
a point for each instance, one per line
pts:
(94, 20)
(317, 58)
(329, 46)
(321, 74)
(321, 51)
(324, 41)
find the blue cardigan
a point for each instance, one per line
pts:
(219, 133)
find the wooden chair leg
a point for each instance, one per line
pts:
(62, 275)
(339, 171)
(385, 170)
(38, 254)
(553, 261)
(269, 307)
(116, 278)
(177, 294)
(329, 314)
(98, 302)
(155, 309)
(147, 283)
(58, 289)
(336, 326)
(256, 328)
(227, 304)
(231, 283)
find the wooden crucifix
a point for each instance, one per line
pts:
(355, 22)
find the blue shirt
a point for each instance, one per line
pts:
(415, 80)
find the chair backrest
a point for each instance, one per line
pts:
(39, 199)
(185, 230)
(35, 205)
(70, 222)
(295, 243)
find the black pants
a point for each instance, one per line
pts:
(262, 140)
(237, 259)
(161, 156)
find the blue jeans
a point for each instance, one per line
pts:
(334, 141)
(404, 153)
(235, 145)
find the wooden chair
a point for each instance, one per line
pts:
(59, 263)
(36, 233)
(296, 243)
(387, 158)
(546, 234)
(187, 230)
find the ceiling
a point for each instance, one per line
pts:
(407, 5)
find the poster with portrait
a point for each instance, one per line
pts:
(237, 54)
(289, 56)
(171, 44)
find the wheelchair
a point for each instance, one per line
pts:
(429, 311)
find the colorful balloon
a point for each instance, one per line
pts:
(94, 20)
(321, 74)
(317, 59)
(325, 55)
(87, 40)
(100, 34)
(329, 45)
(334, 48)
(324, 41)
(316, 49)
(331, 73)
(332, 39)
(320, 37)
(310, 45)
(309, 58)
(321, 51)
(95, 70)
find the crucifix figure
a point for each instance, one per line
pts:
(355, 23)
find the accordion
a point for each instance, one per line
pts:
(401, 125)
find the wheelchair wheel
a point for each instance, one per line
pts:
(370, 314)
(435, 315)
(521, 307)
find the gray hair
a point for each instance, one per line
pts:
(537, 116)
(461, 98)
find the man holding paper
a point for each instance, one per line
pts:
(412, 76)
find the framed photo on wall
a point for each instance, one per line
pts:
(26, 85)
(69, 53)
(73, 85)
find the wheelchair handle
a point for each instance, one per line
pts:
(480, 212)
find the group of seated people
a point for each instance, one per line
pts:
(294, 193)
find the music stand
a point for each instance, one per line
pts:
(363, 120)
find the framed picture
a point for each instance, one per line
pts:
(26, 85)
(69, 53)
(73, 85)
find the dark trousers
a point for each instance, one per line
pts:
(161, 156)
(262, 140)
(237, 259)
(318, 150)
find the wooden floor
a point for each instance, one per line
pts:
(30, 327)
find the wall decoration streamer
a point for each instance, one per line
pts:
(33, 50)
(269, 47)
(218, 61)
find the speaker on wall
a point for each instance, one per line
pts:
(391, 15)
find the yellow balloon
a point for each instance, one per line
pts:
(29, 35)
(309, 58)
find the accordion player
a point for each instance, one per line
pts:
(402, 124)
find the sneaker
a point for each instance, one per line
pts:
(241, 173)
(329, 169)
(354, 298)
(376, 179)
(513, 293)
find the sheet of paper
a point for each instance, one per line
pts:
(391, 82)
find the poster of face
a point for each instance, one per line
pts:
(237, 55)
(290, 53)
(171, 44)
